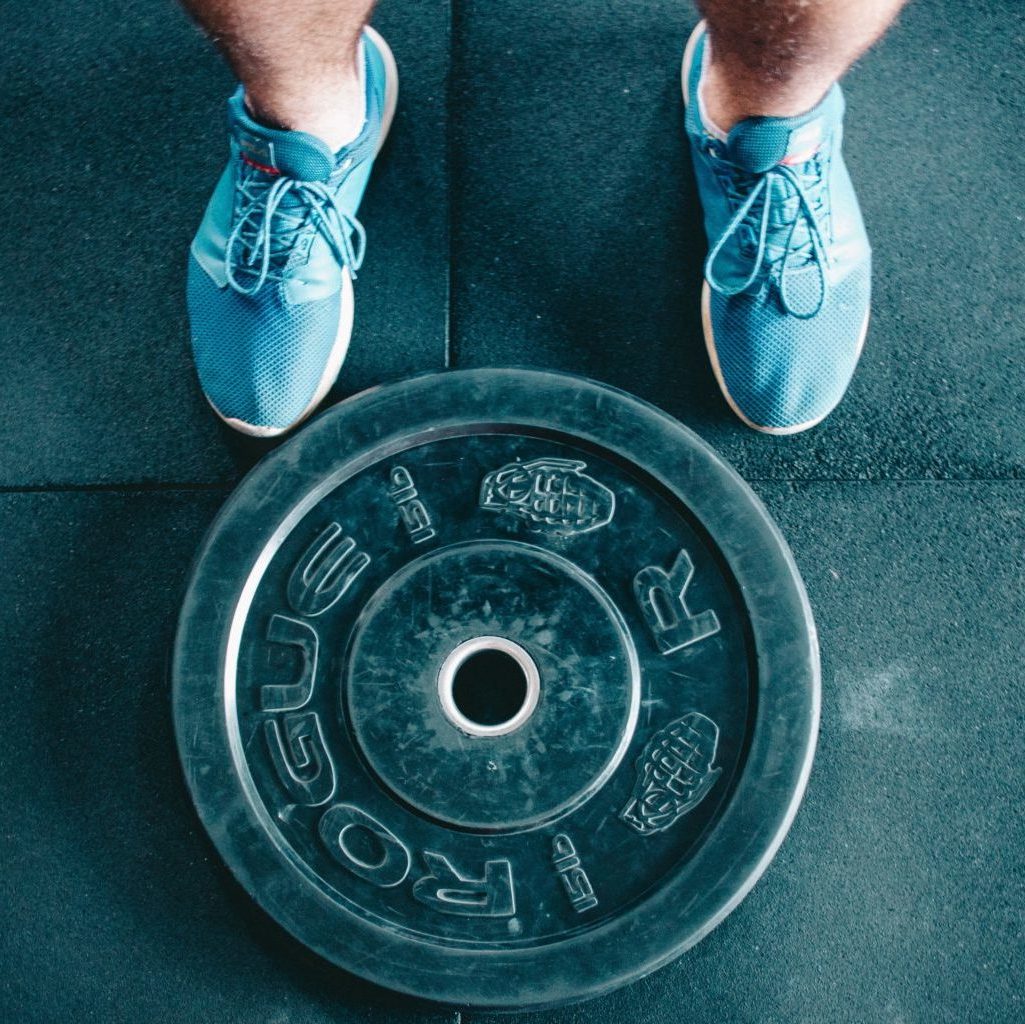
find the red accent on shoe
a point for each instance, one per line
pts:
(799, 158)
(260, 167)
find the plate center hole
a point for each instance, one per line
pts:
(489, 688)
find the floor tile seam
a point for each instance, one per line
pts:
(451, 189)
(121, 487)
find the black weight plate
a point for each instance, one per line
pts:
(640, 616)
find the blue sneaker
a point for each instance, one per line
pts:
(271, 267)
(788, 276)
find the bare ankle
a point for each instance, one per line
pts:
(333, 109)
(779, 58)
(728, 97)
(301, 63)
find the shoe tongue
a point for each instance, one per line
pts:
(296, 155)
(760, 143)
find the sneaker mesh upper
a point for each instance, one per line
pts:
(266, 264)
(259, 359)
(781, 371)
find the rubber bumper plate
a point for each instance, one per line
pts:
(496, 687)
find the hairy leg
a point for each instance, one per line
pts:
(296, 59)
(779, 57)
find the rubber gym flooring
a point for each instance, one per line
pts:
(535, 206)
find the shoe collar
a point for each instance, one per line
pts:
(295, 154)
(758, 144)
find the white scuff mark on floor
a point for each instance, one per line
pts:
(885, 700)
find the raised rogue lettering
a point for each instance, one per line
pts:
(662, 597)
(336, 830)
(300, 757)
(329, 566)
(450, 892)
(292, 632)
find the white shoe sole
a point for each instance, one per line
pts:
(688, 57)
(348, 306)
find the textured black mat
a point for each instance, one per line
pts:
(535, 206)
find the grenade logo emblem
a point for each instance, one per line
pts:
(552, 495)
(674, 774)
